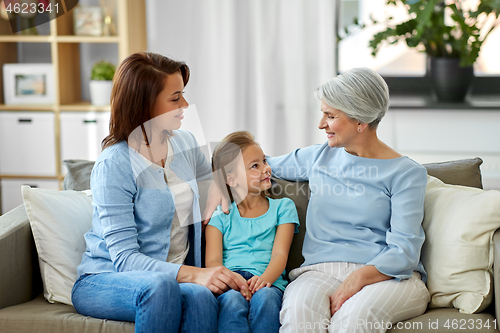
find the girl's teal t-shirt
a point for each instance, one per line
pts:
(248, 242)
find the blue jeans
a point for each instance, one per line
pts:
(155, 301)
(261, 314)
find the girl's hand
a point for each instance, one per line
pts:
(215, 197)
(256, 282)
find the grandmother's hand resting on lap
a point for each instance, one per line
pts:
(347, 289)
(353, 283)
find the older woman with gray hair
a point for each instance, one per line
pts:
(362, 270)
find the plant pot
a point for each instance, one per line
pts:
(100, 92)
(449, 81)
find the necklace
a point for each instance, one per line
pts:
(353, 153)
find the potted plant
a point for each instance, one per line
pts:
(450, 33)
(101, 82)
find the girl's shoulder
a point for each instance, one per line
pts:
(282, 204)
(218, 216)
(285, 211)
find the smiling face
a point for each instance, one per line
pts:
(339, 128)
(170, 103)
(253, 175)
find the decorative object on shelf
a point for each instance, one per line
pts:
(450, 33)
(88, 20)
(101, 82)
(108, 8)
(3, 11)
(28, 83)
(26, 10)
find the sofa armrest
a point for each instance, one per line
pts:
(496, 272)
(17, 257)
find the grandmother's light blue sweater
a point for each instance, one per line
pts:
(361, 210)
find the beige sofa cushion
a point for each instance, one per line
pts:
(447, 320)
(58, 220)
(42, 317)
(459, 223)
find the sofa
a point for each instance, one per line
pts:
(23, 307)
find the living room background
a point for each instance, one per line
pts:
(255, 65)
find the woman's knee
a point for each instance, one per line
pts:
(161, 286)
(298, 300)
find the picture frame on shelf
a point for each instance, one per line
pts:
(88, 20)
(28, 84)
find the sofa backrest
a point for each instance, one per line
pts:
(461, 172)
(20, 279)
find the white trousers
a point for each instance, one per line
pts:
(375, 308)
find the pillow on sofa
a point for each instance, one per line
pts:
(58, 221)
(459, 223)
(78, 176)
(461, 172)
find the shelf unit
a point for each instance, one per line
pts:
(65, 57)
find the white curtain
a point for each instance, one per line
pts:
(254, 63)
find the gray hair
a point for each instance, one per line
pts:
(361, 93)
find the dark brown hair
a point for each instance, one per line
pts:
(226, 154)
(138, 81)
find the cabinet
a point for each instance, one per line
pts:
(437, 135)
(82, 133)
(34, 139)
(27, 144)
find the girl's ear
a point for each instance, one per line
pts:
(231, 180)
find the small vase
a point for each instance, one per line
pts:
(28, 26)
(450, 82)
(100, 92)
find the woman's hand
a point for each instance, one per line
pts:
(347, 289)
(256, 282)
(215, 197)
(353, 283)
(217, 279)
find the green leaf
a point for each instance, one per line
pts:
(427, 27)
(102, 71)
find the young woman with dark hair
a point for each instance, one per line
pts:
(143, 258)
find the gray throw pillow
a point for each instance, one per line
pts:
(78, 176)
(461, 172)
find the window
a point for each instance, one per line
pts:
(399, 63)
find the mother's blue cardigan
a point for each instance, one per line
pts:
(133, 209)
